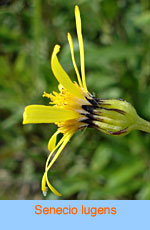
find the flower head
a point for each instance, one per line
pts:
(74, 108)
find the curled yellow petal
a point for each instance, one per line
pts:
(51, 187)
(46, 114)
(63, 142)
(61, 75)
(73, 58)
(45, 178)
(81, 45)
(43, 185)
(52, 141)
(54, 149)
(67, 138)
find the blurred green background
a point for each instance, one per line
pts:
(93, 165)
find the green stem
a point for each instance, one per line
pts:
(143, 125)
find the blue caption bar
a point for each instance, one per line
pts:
(75, 214)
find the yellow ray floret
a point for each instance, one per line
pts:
(61, 75)
(73, 59)
(81, 45)
(52, 141)
(47, 114)
(60, 146)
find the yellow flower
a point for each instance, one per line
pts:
(67, 111)
(74, 108)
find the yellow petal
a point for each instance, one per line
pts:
(46, 114)
(51, 187)
(73, 58)
(54, 149)
(66, 139)
(44, 188)
(43, 185)
(81, 45)
(61, 75)
(45, 178)
(52, 141)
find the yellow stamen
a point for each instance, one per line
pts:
(65, 99)
(48, 95)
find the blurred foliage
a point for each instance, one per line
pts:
(117, 48)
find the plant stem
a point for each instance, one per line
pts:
(143, 125)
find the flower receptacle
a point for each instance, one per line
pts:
(118, 117)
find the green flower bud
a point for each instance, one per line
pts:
(116, 117)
